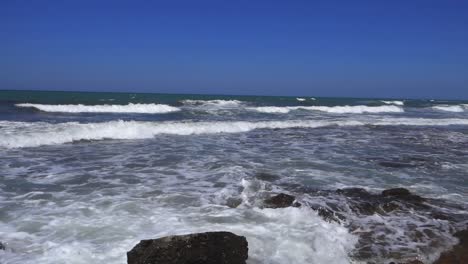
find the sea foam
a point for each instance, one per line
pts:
(20, 134)
(129, 108)
(213, 103)
(357, 109)
(400, 103)
(450, 108)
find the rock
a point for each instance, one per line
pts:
(233, 202)
(402, 194)
(390, 207)
(266, 177)
(409, 262)
(281, 201)
(354, 192)
(396, 192)
(2, 246)
(396, 164)
(200, 248)
(459, 253)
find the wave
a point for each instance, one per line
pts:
(450, 108)
(213, 103)
(400, 103)
(23, 134)
(300, 99)
(79, 108)
(358, 109)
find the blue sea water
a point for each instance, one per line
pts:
(85, 176)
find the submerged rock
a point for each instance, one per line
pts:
(233, 202)
(459, 253)
(267, 177)
(200, 248)
(281, 201)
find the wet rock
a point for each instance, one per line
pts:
(459, 253)
(2, 246)
(233, 202)
(395, 164)
(281, 201)
(390, 207)
(409, 262)
(200, 248)
(396, 192)
(354, 192)
(365, 208)
(266, 177)
(402, 194)
(329, 216)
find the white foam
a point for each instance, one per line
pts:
(357, 109)
(273, 109)
(215, 103)
(300, 99)
(400, 103)
(450, 108)
(20, 134)
(129, 108)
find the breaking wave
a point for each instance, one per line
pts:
(212, 103)
(450, 108)
(358, 109)
(23, 134)
(80, 108)
(400, 103)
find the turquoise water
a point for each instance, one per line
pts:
(57, 97)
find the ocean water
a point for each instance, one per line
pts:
(85, 176)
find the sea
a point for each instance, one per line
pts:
(84, 176)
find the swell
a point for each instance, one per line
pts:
(21, 134)
(357, 109)
(80, 108)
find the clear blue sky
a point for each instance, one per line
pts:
(319, 48)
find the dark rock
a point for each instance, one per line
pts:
(200, 248)
(354, 192)
(415, 261)
(441, 216)
(396, 164)
(396, 192)
(365, 208)
(266, 177)
(2, 246)
(233, 202)
(329, 216)
(459, 253)
(281, 201)
(402, 194)
(390, 207)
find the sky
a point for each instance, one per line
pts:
(399, 49)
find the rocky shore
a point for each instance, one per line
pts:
(227, 248)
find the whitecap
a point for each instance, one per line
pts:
(21, 134)
(449, 108)
(358, 109)
(80, 108)
(213, 103)
(400, 103)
